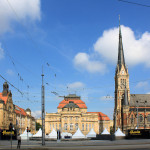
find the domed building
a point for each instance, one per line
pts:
(72, 114)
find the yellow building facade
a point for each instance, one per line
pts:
(72, 114)
(10, 113)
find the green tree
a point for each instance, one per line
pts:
(38, 126)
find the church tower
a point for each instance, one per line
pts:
(122, 91)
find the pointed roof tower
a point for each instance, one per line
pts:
(121, 60)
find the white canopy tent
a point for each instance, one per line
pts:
(78, 134)
(91, 134)
(105, 132)
(38, 134)
(24, 135)
(63, 134)
(53, 134)
(119, 133)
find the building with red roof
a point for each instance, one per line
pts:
(10, 113)
(72, 114)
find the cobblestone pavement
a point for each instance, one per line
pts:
(140, 144)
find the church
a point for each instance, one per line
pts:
(131, 111)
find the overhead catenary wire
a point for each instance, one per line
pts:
(11, 85)
(134, 3)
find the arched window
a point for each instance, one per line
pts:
(71, 126)
(56, 126)
(89, 126)
(132, 119)
(141, 118)
(76, 126)
(65, 126)
(83, 126)
(86, 126)
(148, 118)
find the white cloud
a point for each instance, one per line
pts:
(136, 50)
(10, 72)
(1, 52)
(14, 10)
(142, 85)
(36, 114)
(84, 61)
(75, 85)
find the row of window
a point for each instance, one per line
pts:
(140, 118)
(71, 118)
(70, 125)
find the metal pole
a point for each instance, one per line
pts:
(137, 114)
(20, 121)
(11, 137)
(43, 110)
(145, 115)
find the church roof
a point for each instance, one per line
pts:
(101, 116)
(19, 111)
(72, 98)
(143, 100)
(4, 98)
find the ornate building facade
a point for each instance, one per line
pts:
(131, 110)
(10, 113)
(72, 114)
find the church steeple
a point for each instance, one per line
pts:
(121, 60)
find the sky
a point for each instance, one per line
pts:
(76, 42)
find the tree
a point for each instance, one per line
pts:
(38, 126)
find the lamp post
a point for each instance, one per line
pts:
(43, 108)
(137, 113)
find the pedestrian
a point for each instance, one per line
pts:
(19, 141)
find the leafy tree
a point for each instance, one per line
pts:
(38, 126)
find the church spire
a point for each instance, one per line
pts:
(121, 60)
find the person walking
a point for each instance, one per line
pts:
(19, 141)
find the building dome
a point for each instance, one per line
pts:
(72, 99)
(28, 109)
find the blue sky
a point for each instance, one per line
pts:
(76, 41)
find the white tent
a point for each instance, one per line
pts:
(53, 134)
(24, 135)
(63, 134)
(105, 131)
(91, 133)
(38, 134)
(119, 133)
(78, 134)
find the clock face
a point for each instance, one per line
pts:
(122, 71)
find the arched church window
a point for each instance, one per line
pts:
(141, 118)
(148, 118)
(132, 119)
